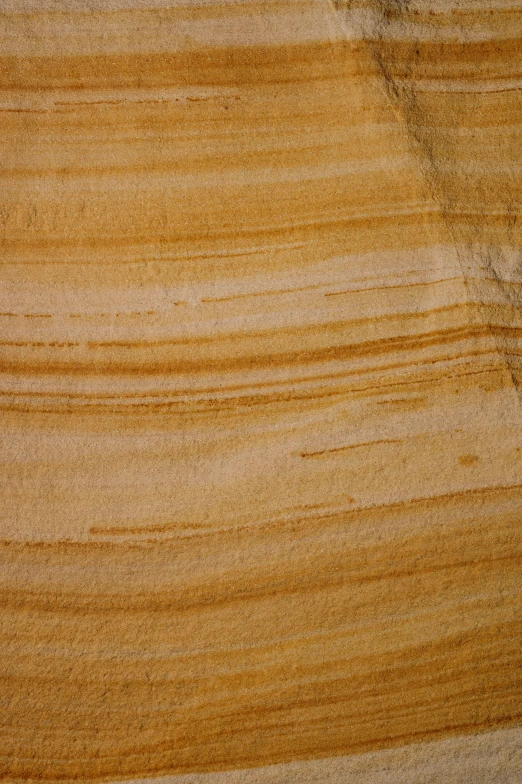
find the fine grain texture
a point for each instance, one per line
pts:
(260, 391)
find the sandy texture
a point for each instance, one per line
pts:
(488, 758)
(261, 455)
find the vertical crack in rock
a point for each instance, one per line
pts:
(474, 183)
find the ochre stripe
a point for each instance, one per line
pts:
(260, 365)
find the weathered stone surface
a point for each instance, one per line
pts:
(260, 391)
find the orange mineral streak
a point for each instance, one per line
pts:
(260, 356)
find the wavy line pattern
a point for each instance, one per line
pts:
(260, 362)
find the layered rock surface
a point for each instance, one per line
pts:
(261, 417)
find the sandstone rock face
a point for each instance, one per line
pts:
(260, 357)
